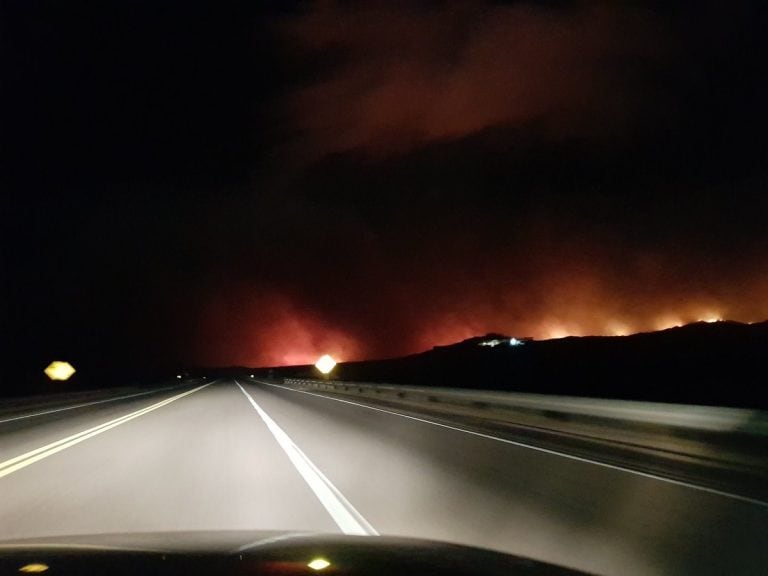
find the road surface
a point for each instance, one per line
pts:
(248, 455)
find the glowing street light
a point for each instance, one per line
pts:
(59, 370)
(325, 364)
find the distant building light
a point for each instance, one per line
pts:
(510, 341)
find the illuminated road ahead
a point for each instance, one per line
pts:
(245, 455)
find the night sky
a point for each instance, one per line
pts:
(261, 182)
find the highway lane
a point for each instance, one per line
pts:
(412, 478)
(24, 430)
(33, 407)
(203, 462)
(257, 456)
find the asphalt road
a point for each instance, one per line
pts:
(248, 456)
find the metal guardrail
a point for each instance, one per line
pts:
(622, 413)
(719, 448)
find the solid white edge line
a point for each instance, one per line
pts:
(157, 391)
(537, 448)
(22, 461)
(347, 518)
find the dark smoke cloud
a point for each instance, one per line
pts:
(392, 77)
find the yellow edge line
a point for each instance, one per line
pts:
(24, 460)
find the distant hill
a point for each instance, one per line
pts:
(722, 363)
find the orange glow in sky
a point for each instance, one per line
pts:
(252, 328)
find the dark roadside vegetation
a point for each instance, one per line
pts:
(720, 364)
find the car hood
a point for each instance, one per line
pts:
(258, 552)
